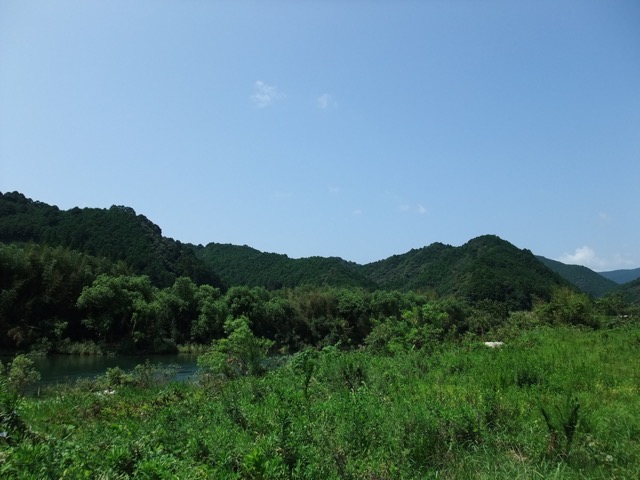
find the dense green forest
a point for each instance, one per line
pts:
(243, 265)
(308, 368)
(99, 280)
(116, 233)
(486, 267)
(58, 300)
(582, 277)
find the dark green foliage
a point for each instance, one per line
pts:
(14, 379)
(562, 424)
(54, 299)
(484, 268)
(569, 308)
(243, 265)
(62, 300)
(240, 353)
(630, 291)
(116, 233)
(117, 307)
(583, 278)
(39, 286)
(19, 374)
(422, 327)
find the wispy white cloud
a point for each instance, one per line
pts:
(357, 211)
(326, 101)
(582, 256)
(413, 208)
(603, 217)
(265, 95)
(281, 195)
(334, 190)
(587, 257)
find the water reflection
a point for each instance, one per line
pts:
(58, 369)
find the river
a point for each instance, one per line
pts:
(56, 369)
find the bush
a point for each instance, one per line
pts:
(14, 379)
(241, 353)
(21, 373)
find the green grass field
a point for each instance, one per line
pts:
(551, 403)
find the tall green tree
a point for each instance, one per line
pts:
(118, 307)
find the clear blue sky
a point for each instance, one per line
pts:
(358, 129)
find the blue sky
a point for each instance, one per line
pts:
(358, 129)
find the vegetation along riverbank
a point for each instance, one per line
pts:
(377, 371)
(552, 402)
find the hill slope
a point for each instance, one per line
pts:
(486, 267)
(243, 265)
(630, 291)
(584, 278)
(622, 276)
(116, 233)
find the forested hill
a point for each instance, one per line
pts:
(630, 291)
(117, 234)
(584, 278)
(486, 267)
(243, 265)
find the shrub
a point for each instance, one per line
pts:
(21, 373)
(241, 353)
(14, 379)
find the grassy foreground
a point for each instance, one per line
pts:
(552, 403)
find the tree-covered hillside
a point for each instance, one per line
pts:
(584, 278)
(243, 265)
(630, 291)
(116, 233)
(104, 279)
(486, 267)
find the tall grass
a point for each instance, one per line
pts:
(463, 411)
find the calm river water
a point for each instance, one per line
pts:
(62, 368)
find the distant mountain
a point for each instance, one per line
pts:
(622, 276)
(243, 265)
(630, 291)
(486, 267)
(116, 233)
(584, 278)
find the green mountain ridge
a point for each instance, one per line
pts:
(117, 233)
(244, 265)
(630, 291)
(622, 276)
(484, 268)
(584, 278)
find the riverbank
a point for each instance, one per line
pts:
(551, 403)
(59, 369)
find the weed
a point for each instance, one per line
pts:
(561, 423)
